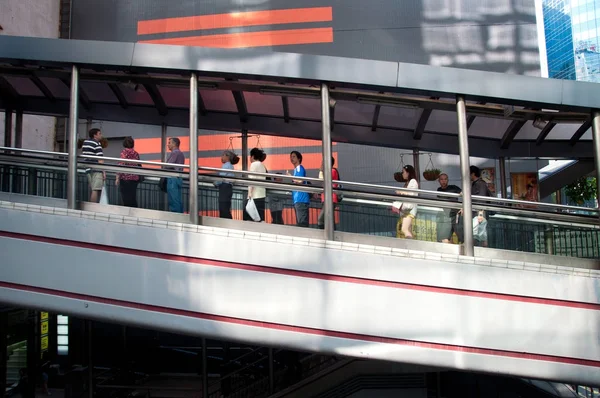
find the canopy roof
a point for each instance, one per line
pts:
(374, 102)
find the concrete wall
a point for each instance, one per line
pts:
(38, 18)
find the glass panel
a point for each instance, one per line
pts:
(136, 94)
(56, 87)
(219, 100)
(62, 320)
(24, 86)
(175, 97)
(264, 104)
(354, 112)
(305, 108)
(62, 330)
(62, 340)
(398, 117)
(98, 92)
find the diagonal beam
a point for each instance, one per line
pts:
(420, 128)
(471, 118)
(83, 98)
(240, 103)
(286, 109)
(201, 105)
(580, 132)
(511, 132)
(157, 98)
(375, 117)
(544, 133)
(43, 88)
(7, 90)
(119, 94)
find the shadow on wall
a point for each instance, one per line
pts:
(492, 35)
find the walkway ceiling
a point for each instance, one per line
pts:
(373, 102)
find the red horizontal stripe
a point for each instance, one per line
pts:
(304, 274)
(235, 19)
(252, 39)
(301, 329)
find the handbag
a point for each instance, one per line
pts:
(252, 211)
(104, 196)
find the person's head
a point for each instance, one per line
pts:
(95, 134)
(295, 158)
(229, 156)
(408, 173)
(475, 173)
(443, 180)
(258, 155)
(128, 142)
(332, 163)
(173, 143)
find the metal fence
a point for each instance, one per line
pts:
(524, 235)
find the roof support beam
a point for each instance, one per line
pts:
(83, 98)
(544, 133)
(420, 129)
(511, 132)
(375, 117)
(240, 103)
(7, 90)
(286, 109)
(43, 88)
(119, 94)
(157, 98)
(580, 132)
(201, 105)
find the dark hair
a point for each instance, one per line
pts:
(475, 170)
(93, 132)
(176, 141)
(258, 154)
(412, 174)
(332, 161)
(128, 142)
(234, 160)
(298, 155)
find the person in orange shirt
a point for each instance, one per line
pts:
(335, 175)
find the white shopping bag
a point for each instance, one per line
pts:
(104, 196)
(252, 211)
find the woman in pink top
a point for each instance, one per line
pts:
(128, 183)
(335, 175)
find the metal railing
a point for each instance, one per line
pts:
(515, 225)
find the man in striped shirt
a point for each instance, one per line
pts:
(92, 147)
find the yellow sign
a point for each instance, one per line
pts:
(44, 327)
(45, 343)
(43, 316)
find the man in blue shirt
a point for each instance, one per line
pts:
(301, 199)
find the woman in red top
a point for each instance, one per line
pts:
(335, 175)
(128, 182)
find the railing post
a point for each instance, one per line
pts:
(417, 164)
(596, 136)
(19, 129)
(73, 120)
(503, 191)
(194, 149)
(245, 153)
(163, 205)
(328, 210)
(8, 114)
(463, 148)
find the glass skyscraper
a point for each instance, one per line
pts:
(572, 30)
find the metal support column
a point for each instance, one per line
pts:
(194, 149)
(503, 191)
(327, 166)
(8, 115)
(463, 147)
(90, 363)
(245, 152)
(19, 129)
(417, 165)
(164, 205)
(72, 139)
(271, 376)
(204, 370)
(596, 135)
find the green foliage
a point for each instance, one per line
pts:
(582, 190)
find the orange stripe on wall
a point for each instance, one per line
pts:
(235, 19)
(220, 142)
(253, 39)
